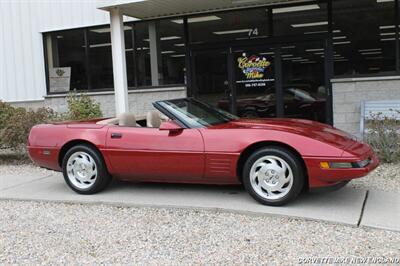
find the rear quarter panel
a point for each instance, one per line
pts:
(46, 141)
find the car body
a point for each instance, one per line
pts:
(184, 150)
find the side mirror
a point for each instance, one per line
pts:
(170, 126)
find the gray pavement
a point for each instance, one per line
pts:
(343, 206)
(382, 210)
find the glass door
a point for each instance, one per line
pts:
(284, 80)
(254, 70)
(303, 81)
(210, 82)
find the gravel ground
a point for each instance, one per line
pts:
(386, 177)
(54, 233)
(13, 158)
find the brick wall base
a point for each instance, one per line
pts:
(349, 93)
(140, 101)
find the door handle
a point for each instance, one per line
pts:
(116, 135)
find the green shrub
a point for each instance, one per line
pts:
(15, 131)
(383, 135)
(6, 111)
(15, 123)
(82, 107)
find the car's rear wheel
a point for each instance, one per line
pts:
(273, 176)
(84, 170)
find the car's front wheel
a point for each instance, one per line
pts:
(84, 170)
(273, 176)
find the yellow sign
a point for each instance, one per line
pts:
(253, 67)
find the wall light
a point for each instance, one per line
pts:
(196, 19)
(383, 27)
(345, 42)
(167, 38)
(177, 55)
(369, 50)
(367, 53)
(231, 31)
(292, 58)
(388, 39)
(314, 50)
(294, 9)
(267, 53)
(387, 33)
(310, 24)
(316, 32)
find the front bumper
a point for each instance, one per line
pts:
(319, 177)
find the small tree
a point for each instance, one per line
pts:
(81, 107)
(18, 122)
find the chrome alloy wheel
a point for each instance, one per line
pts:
(81, 170)
(271, 177)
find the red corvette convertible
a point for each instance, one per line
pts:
(193, 142)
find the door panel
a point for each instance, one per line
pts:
(149, 153)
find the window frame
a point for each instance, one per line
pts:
(188, 45)
(87, 62)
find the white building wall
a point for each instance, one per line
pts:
(22, 69)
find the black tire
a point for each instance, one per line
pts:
(103, 177)
(294, 163)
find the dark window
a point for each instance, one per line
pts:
(130, 56)
(66, 52)
(143, 54)
(100, 59)
(172, 52)
(366, 41)
(160, 52)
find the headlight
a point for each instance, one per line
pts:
(340, 165)
(345, 165)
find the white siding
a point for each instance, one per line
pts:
(22, 71)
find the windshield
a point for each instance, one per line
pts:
(195, 113)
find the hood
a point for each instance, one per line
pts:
(315, 130)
